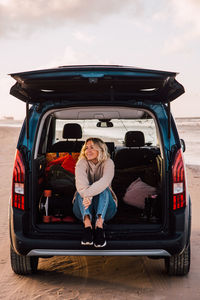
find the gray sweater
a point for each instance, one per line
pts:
(93, 179)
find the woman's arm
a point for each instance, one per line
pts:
(100, 185)
(81, 177)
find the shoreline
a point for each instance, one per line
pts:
(193, 167)
(5, 120)
(191, 155)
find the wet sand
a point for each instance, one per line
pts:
(87, 278)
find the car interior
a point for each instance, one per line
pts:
(132, 139)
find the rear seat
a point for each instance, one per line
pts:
(134, 153)
(111, 148)
(74, 131)
(133, 161)
(70, 131)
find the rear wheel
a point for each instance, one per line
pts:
(23, 265)
(178, 264)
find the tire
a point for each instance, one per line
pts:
(178, 265)
(23, 265)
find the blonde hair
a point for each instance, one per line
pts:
(100, 146)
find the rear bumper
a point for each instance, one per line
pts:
(158, 245)
(48, 247)
(139, 252)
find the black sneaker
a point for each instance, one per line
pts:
(87, 238)
(99, 239)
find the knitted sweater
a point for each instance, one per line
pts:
(93, 179)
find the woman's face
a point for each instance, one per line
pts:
(90, 152)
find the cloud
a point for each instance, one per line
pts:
(186, 18)
(84, 37)
(72, 56)
(180, 43)
(187, 12)
(18, 16)
(22, 17)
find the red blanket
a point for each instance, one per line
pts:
(67, 162)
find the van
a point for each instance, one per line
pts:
(129, 108)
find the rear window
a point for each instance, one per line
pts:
(114, 134)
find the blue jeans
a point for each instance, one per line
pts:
(102, 204)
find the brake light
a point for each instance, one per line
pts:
(18, 182)
(178, 175)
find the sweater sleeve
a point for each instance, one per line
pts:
(100, 185)
(81, 177)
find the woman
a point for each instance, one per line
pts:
(94, 199)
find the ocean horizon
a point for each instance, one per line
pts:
(188, 129)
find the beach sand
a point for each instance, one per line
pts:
(93, 277)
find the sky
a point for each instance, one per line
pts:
(151, 34)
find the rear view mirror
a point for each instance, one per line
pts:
(104, 123)
(183, 147)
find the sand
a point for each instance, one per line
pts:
(87, 278)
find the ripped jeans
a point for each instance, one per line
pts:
(102, 204)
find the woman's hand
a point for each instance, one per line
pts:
(86, 202)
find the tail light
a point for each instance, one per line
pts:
(178, 175)
(18, 182)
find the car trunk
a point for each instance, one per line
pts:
(57, 216)
(149, 172)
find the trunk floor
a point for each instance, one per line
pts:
(126, 214)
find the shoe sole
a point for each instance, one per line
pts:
(86, 243)
(100, 246)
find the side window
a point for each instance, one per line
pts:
(46, 136)
(147, 126)
(59, 124)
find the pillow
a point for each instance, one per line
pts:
(137, 192)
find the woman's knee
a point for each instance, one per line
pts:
(106, 191)
(105, 195)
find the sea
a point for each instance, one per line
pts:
(188, 129)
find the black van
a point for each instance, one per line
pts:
(129, 108)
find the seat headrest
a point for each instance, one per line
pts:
(134, 139)
(72, 131)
